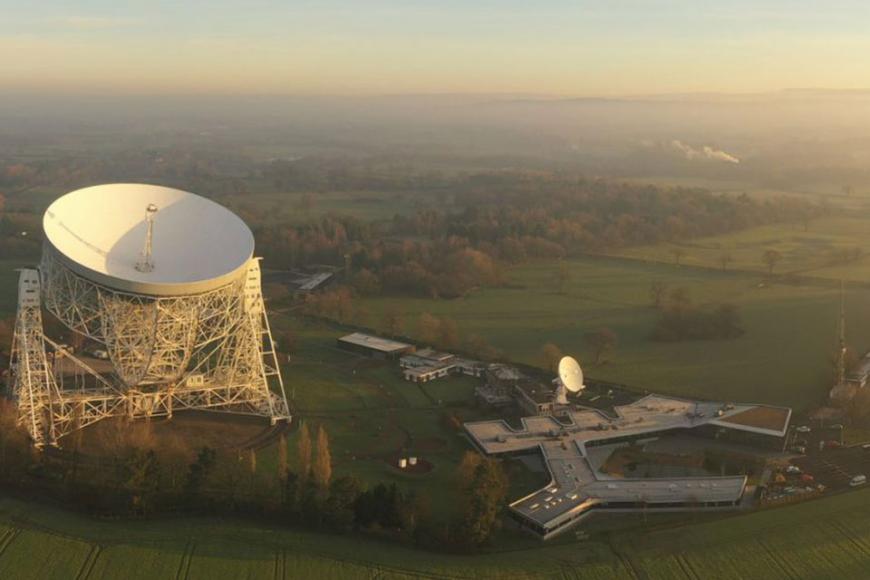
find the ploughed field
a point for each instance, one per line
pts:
(826, 538)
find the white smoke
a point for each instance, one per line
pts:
(706, 152)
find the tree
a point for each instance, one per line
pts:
(563, 277)
(601, 341)
(657, 292)
(394, 323)
(339, 510)
(481, 348)
(142, 479)
(200, 471)
(679, 301)
(771, 258)
(483, 498)
(678, 254)
(367, 282)
(429, 328)
(449, 332)
(725, 259)
(303, 452)
(550, 356)
(322, 467)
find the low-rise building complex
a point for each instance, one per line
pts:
(577, 489)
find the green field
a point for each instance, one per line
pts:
(372, 415)
(826, 538)
(811, 252)
(783, 358)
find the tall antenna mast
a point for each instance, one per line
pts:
(146, 262)
(841, 360)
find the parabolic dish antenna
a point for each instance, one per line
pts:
(104, 233)
(571, 374)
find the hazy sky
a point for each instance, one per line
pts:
(563, 47)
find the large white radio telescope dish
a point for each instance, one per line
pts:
(100, 232)
(570, 374)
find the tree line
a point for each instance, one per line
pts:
(136, 474)
(507, 218)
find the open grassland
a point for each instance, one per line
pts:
(826, 538)
(373, 416)
(783, 358)
(813, 252)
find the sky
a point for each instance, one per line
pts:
(372, 47)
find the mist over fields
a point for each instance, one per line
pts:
(810, 141)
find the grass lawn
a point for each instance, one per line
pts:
(372, 414)
(783, 358)
(827, 538)
(806, 252)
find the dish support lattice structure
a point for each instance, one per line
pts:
(211, 351)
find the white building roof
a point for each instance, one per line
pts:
(375, 342)
(576, 487)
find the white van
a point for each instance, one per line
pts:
(858, 480)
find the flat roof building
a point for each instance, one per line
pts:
(374, 346)
(576, 488)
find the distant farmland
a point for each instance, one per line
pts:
(783, 358)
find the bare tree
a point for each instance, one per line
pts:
(725, 260)
(657, 291)
(602, 342)
(449, 334)
(394, 323)
(550, 356)
(429, 328)
(771, 258)
(678, 254)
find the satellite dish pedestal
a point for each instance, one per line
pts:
(561, 393)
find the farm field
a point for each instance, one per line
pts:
(811, 252)
(783, 358)
(826, 538)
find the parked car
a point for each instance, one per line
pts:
(866, 447)
(800, 442)
(836, 427)
(799, 449)
(858, 480)
(803, 429)
(793, 469)
(833, 444)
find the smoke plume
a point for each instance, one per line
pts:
(706, 152)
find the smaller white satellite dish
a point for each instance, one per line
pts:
(570, 374)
